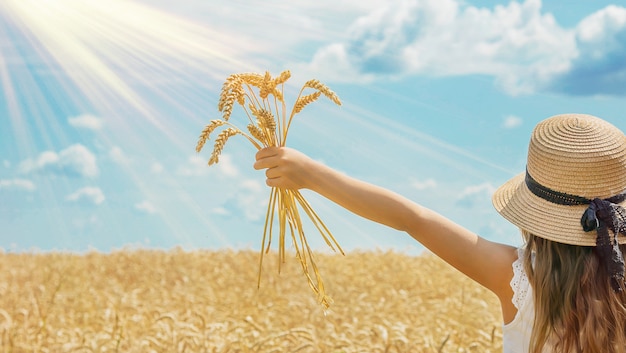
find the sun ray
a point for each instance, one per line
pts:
(130, 63)
(112, 51)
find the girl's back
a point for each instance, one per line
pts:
(568, 204)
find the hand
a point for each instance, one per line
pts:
(286, 167)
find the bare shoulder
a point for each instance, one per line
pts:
(487, 262)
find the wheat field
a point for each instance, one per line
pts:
(135, 300)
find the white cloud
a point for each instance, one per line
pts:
(517, 44)
(156, 168)
(86, 223)
(44, 161)
(92, 195)
(145, 207)
(249, 201)
(423, 185)
(198, 166)
(524, 49)
(226, 166)
(595, 27)
(599, 67)
(252, 199)
(75, 161)
(18, 184)
(486, 188)
(118, 156)
(220, 211)
(511, 122)
(476, 195)
(195, 166)
(86, 121)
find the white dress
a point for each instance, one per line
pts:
(516, 334)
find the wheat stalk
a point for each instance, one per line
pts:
(262, 99)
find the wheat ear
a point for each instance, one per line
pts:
(316, 84)
(267, 86)
(204, 136)
(304, 101)
(252, 79)
(227, 107)
(283, 77)
(231, 81)
(258, 134)
(232, 85)
(220, 141)
(267, 124)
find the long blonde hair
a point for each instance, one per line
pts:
(576, 310)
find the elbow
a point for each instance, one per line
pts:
(412, 220)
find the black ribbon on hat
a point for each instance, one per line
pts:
(602, 215)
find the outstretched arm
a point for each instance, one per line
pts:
(486, 262)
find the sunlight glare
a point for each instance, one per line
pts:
(119, 56)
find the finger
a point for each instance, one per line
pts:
(266, 152)
(263, 158)
(260, 164)
(273, 182)
(264, 163)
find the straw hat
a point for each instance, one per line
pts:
(571, 154)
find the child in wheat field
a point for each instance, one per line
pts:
(564, 290)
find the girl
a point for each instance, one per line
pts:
(564, 290)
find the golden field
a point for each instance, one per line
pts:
(208, 301)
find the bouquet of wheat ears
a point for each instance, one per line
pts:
(263, 102)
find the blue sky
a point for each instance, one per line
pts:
(101, 105)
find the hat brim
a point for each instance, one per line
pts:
(560, 223)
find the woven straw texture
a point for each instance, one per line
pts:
(572, 153)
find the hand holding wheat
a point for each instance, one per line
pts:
(262, 100)
(285, 168)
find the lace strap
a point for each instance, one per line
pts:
(519, 282)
